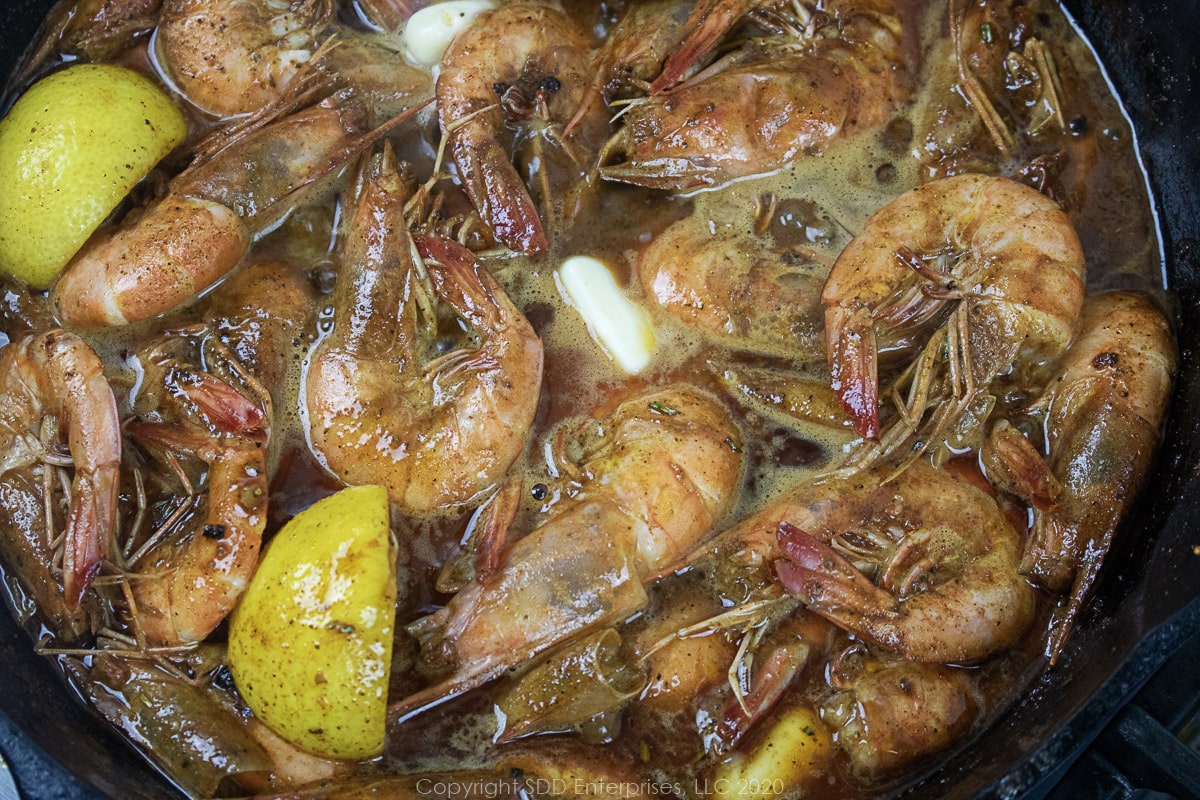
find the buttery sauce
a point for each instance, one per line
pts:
(808, 211)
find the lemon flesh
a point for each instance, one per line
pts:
(71, 148)
(310, 644)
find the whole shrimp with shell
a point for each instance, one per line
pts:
(1102, 413)
(813, 76)
(264, 314)
(53, 387)
(161, 257)
(519, 73)
(921, 563)
(655, 474)
(187, 576)
(992, 267)
(438, 429)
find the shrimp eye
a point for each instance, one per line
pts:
(550, 84)
(214, 531)
(500, 88)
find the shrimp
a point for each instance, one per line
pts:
(635, 49)
(522, 61)
(767, 103)
(1003, 256)
(263, 314)
(50, 381)
(187, 241)
(658, 472)
(185, 586)
(230, 57)
(93, 30)
(375, 74)
(438, 433)
(891, 713)
(1104, 410)
(923, 565)
(737, 287)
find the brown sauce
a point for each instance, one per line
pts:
(821, 201)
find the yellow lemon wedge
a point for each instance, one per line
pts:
(71, 148)
(310, 644)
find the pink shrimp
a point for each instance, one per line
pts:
(438, 433)
(185, 586)
(523, 62)
(1104, 410)
(658, 472)
(56, 375)
(767, 103)
(213, 211)
(924, 565)
(1005, 258)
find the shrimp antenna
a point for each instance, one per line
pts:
(972, 89)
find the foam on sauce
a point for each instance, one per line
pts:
(820, 203)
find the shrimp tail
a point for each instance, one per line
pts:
(1015, 465)
(853, 364)
(826, 582)
(444, 251)
(710, 20)
(496, 189)
(494, 534)
(87, 535)
(778, 672)
(226, 409)
(1062, 620)
(459, 278)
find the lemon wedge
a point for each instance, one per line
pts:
(71, 148)
(310, 644)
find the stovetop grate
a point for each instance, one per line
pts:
(1151, 748)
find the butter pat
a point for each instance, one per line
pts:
(430, 30)
(617, 324)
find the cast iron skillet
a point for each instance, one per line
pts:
(1149, 598)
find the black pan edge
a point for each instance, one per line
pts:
(1147, 605)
